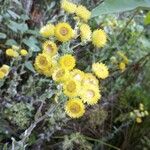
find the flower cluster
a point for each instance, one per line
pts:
(140, 113)
(4, 70)
(15, 51)
(124, 61)
(80, 87)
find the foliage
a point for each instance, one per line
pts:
(32, 104)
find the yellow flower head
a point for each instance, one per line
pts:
(48, 70)
(5, 69)
(67, 62)
(64, 32)
(90, 94)
(83, 13)
(85, 32)
(75, 108)
(2, 75)
(89, 78)
(60, 75)
(71, 88)
(138, 120)
(12, 53)
(50, 48)
(99, 38)
(77, 74)
(68, 6)
(122, 66)
(123, 56)
(41, 61)
(47, 30)
(100, 70)
(23, 52)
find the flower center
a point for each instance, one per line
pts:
(75, 108)
(63, 31)
(77, 77)
(60, 73)
(43, 61)
(49, 48)
(71, 86)
(90, 94)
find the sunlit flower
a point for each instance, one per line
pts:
(71, 88)
(100, 70)
(75, 108)
(23, 52)
(68, 6)
(64, 32)
(90, 94)
(77, 74)
(60, 75)
(138, 120)
(47, 30)
(89, 78)
(12, 53)
(67, 62)
(50, 48)
(122, 66)
(5, 69)
(99, 38)
(85, 32)
(42, 61)
(2, 75)
(83, 13)
(48, 70)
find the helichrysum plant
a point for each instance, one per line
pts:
(81, 88)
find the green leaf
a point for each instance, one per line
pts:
(11, 42)
(29, 66)
(115, 6)
(2, 35)
(32, 43)
(13, 14)
(147, 19)
(14, 26)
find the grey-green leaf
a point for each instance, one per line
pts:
(32, 42)
(29, 66)
(115, 6)
(2, 35)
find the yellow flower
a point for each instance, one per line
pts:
(5, 69)
(90, 94)
(146, 113)
(122, 66)
(23, 52)
(50, 48)
(100, 70)
(123, 56)
(138, 120)
(68, 6)
(2, 75)
(85, 32)
(41, 61)
(60, 75)
(47, 30)
(67, 62)
(10, 52)
(83, 13)
(48, 70)
(75, 108)
(71, 88)
(77, 74)
(99, 38)
(64, 32)
(89, 78)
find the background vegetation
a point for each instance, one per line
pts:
(29, 116)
